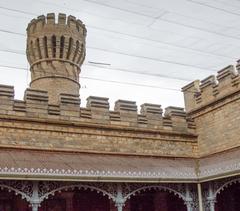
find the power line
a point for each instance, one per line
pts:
(164, 20)
(131, 11)
(108, 81)
(200, 29)
(228, 3)
(161, 42)
(200, 3)
(19, 11)
(12, 51)
(149, 58)
(139, 73)
(142, 38)
(142, 5)
(213, 7)
(121, 9)
(168, 21)
(116, 68)
(11, 32)
(133, 55)
(14, 67)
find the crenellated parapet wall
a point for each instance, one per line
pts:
(34, 123)
(125, 113)
(213, 89)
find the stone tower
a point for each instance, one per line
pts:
(56, 51)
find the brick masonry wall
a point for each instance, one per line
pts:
(218, 129)
(34, 123)
(214, 105)
(36, 135)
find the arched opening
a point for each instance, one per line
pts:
(9, 201)
(70, 47)
(45, 46)
(76, 200)
(76, 51)
(228, 199)
(155, 200)
(38, 48)
(54, 46)
(62, 40)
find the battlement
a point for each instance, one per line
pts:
(62, 40)
(50, 24)
(125, 113)
(212, 89)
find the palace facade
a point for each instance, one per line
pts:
(58, 156)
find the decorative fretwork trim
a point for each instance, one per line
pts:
(92, 173)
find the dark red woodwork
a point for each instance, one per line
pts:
(86, 200)
(10, 202)
(155, 201)
(228, 199)
(76, 200)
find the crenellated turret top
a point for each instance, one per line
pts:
(55, 51)
(49, 24)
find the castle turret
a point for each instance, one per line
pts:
(56, 51)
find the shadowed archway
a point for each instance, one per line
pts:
(10, 201)
(155, 200)
(228, 198)
(75, 200)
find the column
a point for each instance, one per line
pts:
(199, 188)
(211, 199)
(119, 201)
(35, 201)
(34, 207)
(188, 199)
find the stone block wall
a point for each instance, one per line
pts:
(36, 124)
(214, 104)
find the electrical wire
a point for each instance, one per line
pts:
(165, 20)
(189, 26)
(162, 42)
(104, 80)
(213, 7)
(150, 58)
(133, 55)
(139, 73)
(145, 39)
(116, 68)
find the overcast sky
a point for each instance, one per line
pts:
(154, 47)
